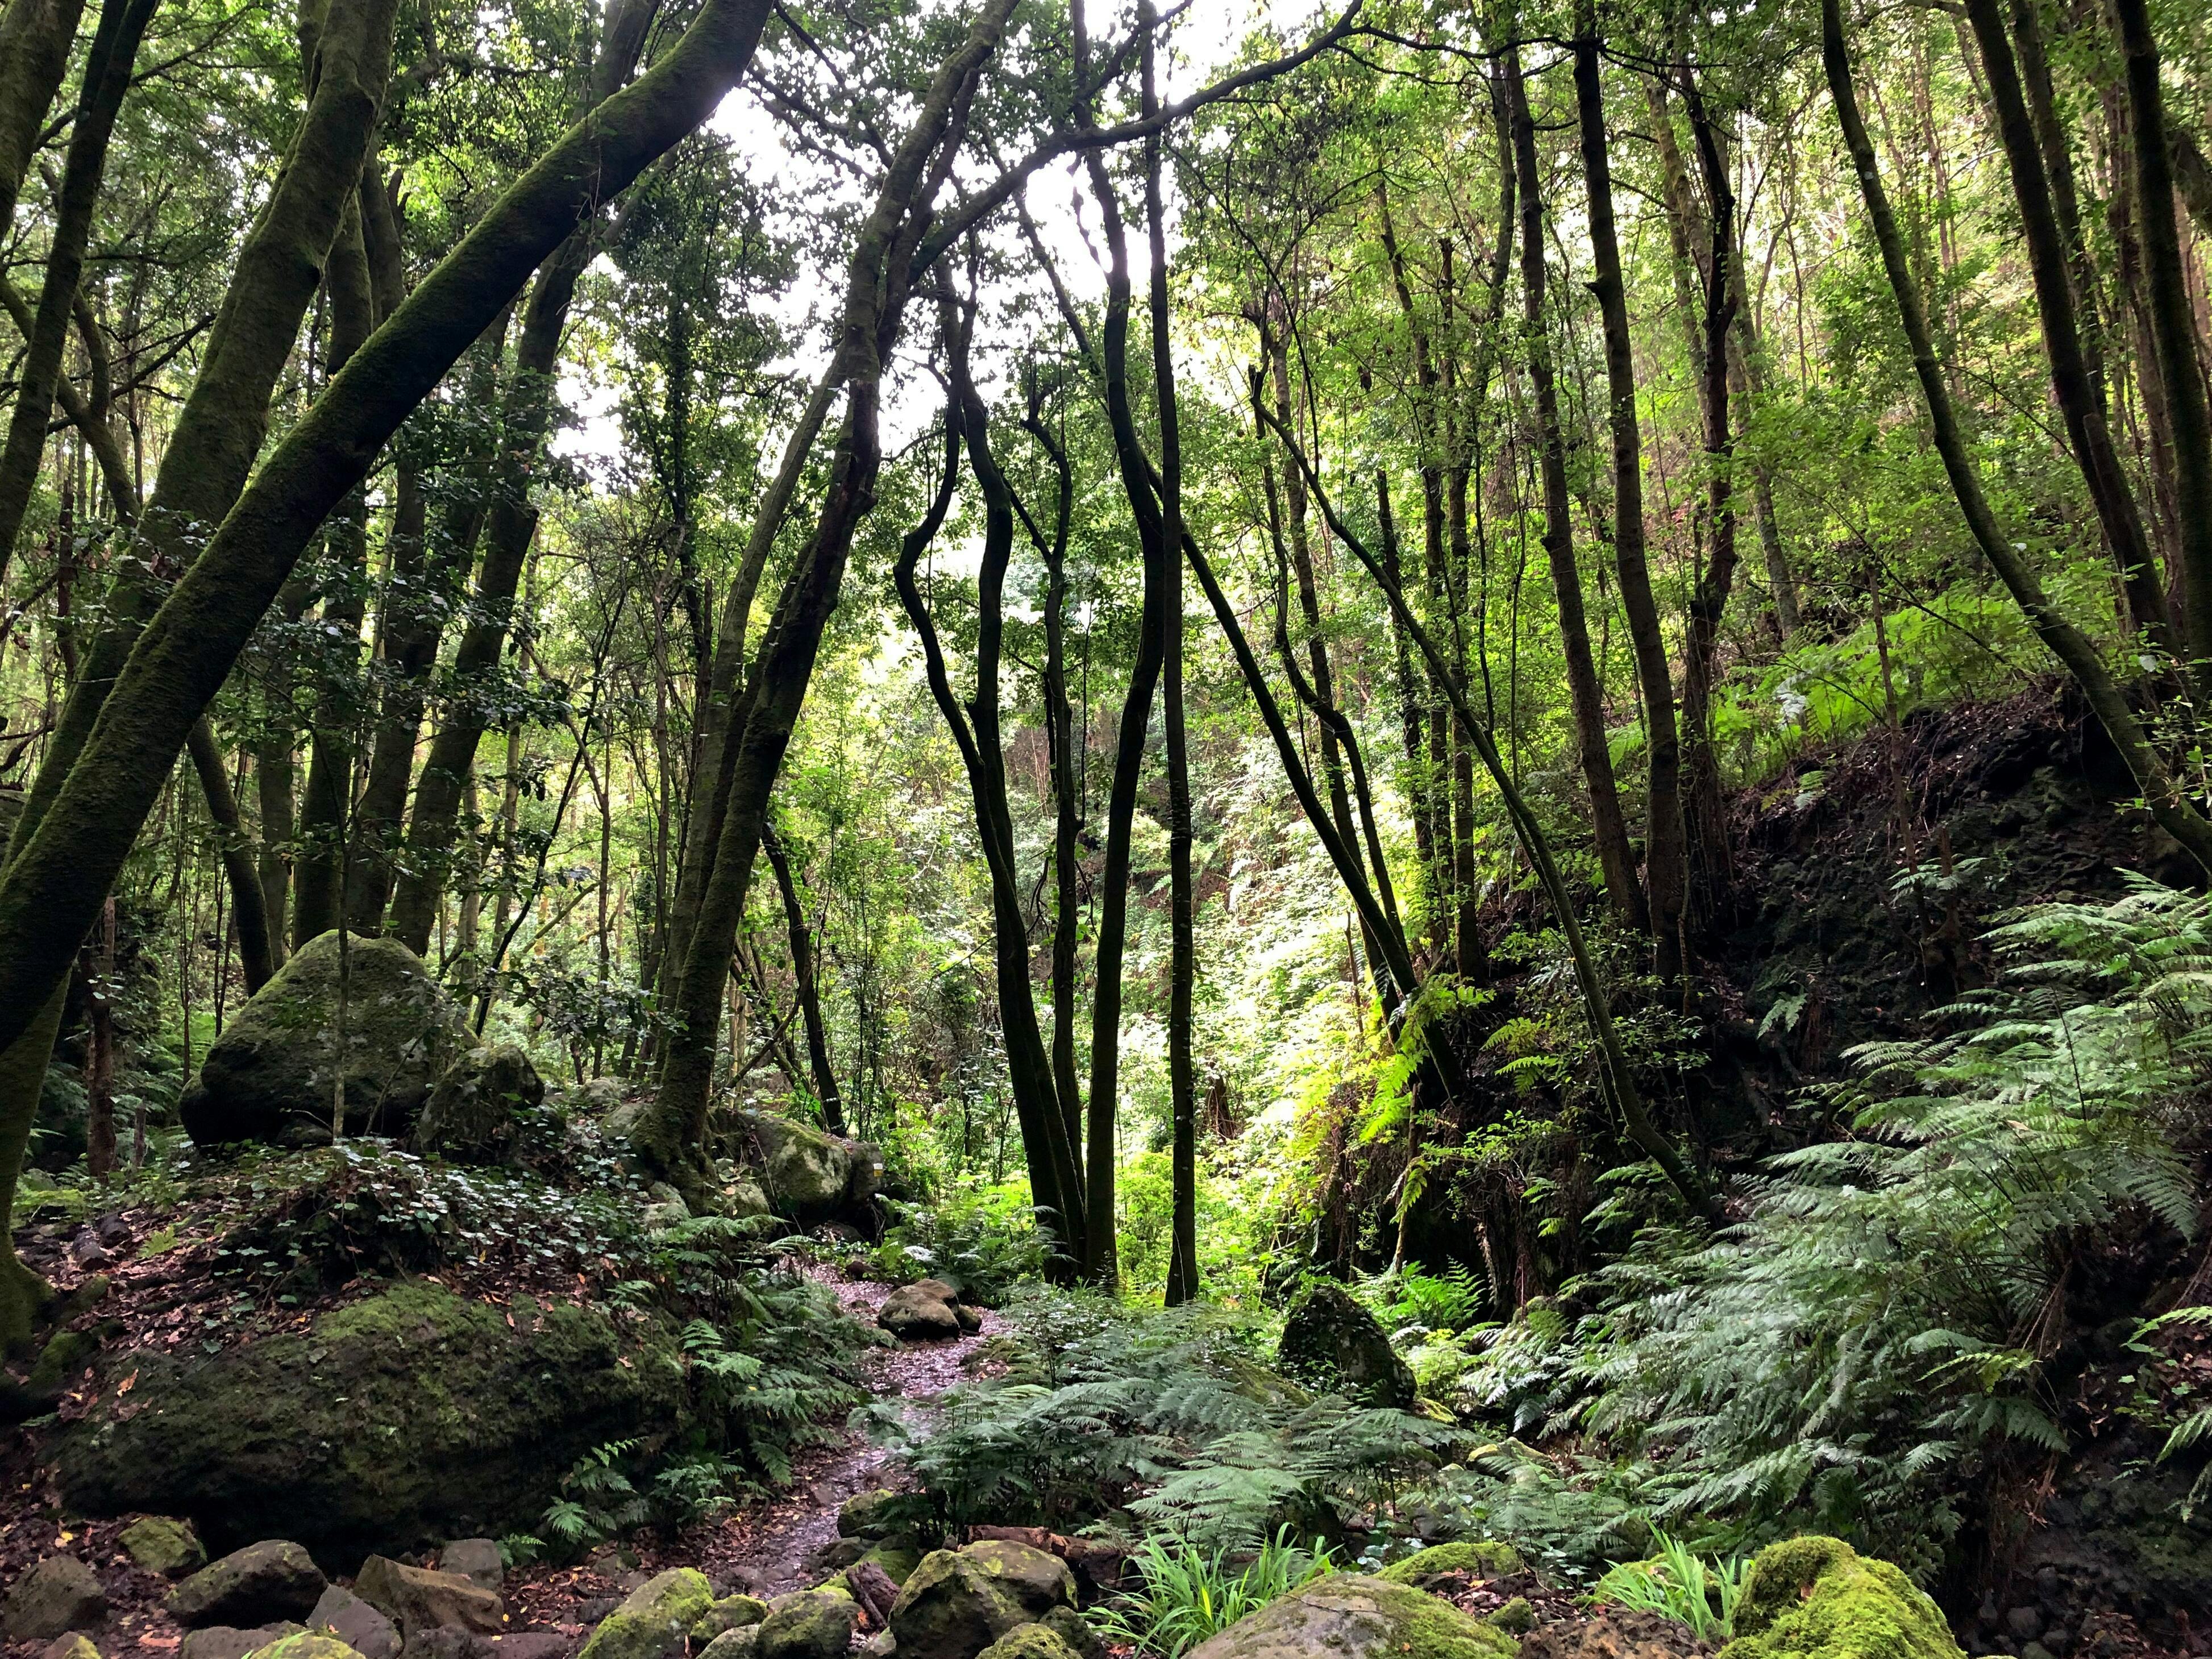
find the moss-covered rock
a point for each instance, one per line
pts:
(271, 1580)
(741, 1642)
(1352, 1618)
(1331, 1343)
(1477, 1558)
(56, 1594)
(657, 1619)
(163, 1544)
(392, 1422)
(228, 1642)
(1038, 1581)
(1818, 1598)
(950, 1608)
(470, 1115)
(873, 1514)
(75, 1645)
(731, 1612)
(1516, 1618)
(274, 1073)
(59, 1363)
(417, 1599)
(1031, 1642)
(813, 1624)
(897, 1557)
(1072, 1628)
(307, 1645)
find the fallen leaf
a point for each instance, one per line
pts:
(126, 1386)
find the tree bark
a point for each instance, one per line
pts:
(1665, 857)
(1608, 825)
(35, 36)
(803, 987)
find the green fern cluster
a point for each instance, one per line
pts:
(1168, 1416)
(1850, 1356)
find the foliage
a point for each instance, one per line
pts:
(1682, 1584)
(980, 1240)
(1167, 1413)
(1190, 1594)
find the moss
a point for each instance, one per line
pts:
(1516, 1618)
(162, 1544)
(1430, 1627)
(395, 1421)
(307, 1645)
(897, 1560)
(1357, 1618)
(1030, 1642)
(1480, 1557)
(731, 1612)
(1331, 1342)
(656, 1620)
(1818, 1598)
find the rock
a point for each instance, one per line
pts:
(410, 1416)
(357, 1623)
(1037, 1581)
(59, 1363)
(730, 1612)
(2023, 1623)
(971, 1319)
(1333, 1344)
(305, 1644)
(419, 1599)
(1072, 1628)
(1611, 1632)
(920, 1312)
(807, 1174)
(1484, 1557)
(654, 1620)
(87, 1252)
(447, 1642)
(741, 1643)
(957, 1602)
(1355, 1618)
(271, 1076)
(745, 1197)
(1816, 1595)
(897, 1559)
(881, 1645)
(73, 1645)
(165, 1545)
(1516, 1618)
(811, 1625)
(227, 1642)
(1030, 1642)
(261, 1583)
(836, 1555)
(530, 1644)
(58, 1595)
(470, 1115)
(870, 1515)
(477, 1559)
(667, 1209)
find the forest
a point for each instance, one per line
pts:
(1005, 829)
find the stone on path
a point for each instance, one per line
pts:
(58, 1594)
(959, 1602)
(305, 1644)
(477, 1559)
(808, 1625)
(228, 1642)
(921, 1311)
(165, 1545)
(419, 1599)
(75, 1645)
(1030, 1642)
(260, 1585)
(357, 1623)
(655, 1620)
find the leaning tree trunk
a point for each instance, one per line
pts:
(805, 986)
(53, 887)
(35, 53)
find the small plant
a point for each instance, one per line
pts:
(1191, 1594)
(1682, 1584)
(980, 1242)
(598, 1500)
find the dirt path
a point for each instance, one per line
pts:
(765, 1549)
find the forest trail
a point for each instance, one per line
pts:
(765, 1549)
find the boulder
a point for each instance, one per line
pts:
(743, 1642)
(745, 1198)
(809, 1625)
(420, 1598)
(922, 1311)
(228, 1642)
(56, 1595)
(477, 1559)
(655, 1620)
(163, 1544)
(408, 1416)
(361, 1627)
(1031, 1642)
(73, 1645)
(1354, 1618)
(272, 1074)
(957, 1602)
(447, 1642)
(1072, 1628)
(870, 1515)
(470, 1115)
(1816, 1596)
(1480, 1557)
(807, 1173)
(306, 1644)
(896, 1558)
(1333, 1344)
(262, 1582)
(731, 1612)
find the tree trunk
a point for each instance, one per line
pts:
(255, 959)
(1665, 859)
(35, 36)
(1608, 826)
(802, 974)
